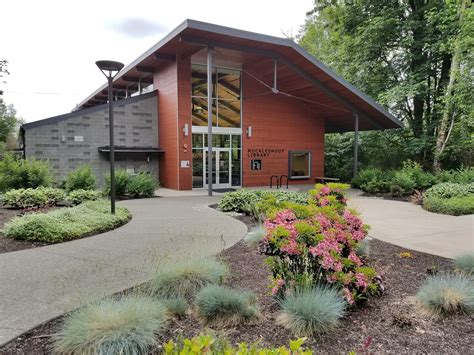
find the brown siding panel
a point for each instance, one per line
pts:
(283, 123)
(166, 84)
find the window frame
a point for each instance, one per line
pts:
(215, 98)
(290, 164)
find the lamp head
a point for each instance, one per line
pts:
(109, 66)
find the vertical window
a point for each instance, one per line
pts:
(198, 164)
(300, 164)
(225, 95)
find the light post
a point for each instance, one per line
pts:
(110, 69)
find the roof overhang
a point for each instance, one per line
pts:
(127, 149)
(302, 75)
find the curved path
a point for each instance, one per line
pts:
(410, 226)
(42, 283)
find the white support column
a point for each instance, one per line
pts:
(209, 120)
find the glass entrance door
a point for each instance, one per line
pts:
(221, 168)
(226, 158)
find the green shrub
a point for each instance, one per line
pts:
(142, 185)
(373, 180)
(18, 173)
(461, 176)
(455, 206)
(207, 344)
(184, 279)
(312, 311)
(126, 326)
(243, 200)
(447, 294)
(176, 306)
(237, 200)
(221, 306)
(404, 182)
(465, 263)
(79, 196)
(67, 223)
(421, 179)
(255, 235)
(448, 190)
(464, 176)
(82, 178)
(26, 198)
(122, 179)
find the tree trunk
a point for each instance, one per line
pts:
(448, 114)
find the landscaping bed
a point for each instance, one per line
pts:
(390, 323)
(7, 244)
(308, 271)
(52, 225)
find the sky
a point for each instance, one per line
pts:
(52, 46)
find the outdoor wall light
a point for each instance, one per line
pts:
(186, 129)
(110, 69)
(249, 131)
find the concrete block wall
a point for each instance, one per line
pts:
(58, 139)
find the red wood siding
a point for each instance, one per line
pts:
(278, 122)
(165, 81)
(184, 117)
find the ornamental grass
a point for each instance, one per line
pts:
(126, 326)
(312, 311)
(184, 279)
(465, 263)
(447, 294)
(224, 307)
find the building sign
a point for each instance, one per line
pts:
(256, 164)
(263, 152)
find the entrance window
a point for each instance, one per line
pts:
(198, 168)
(226, 159)
(300, 164)
(225, 95)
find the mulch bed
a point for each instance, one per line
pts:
(389, 323)
(7, 244)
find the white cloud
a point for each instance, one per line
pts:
(52, 46)
(137, 27)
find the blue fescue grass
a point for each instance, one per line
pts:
(447, 294)
(224, 307)
(176, 306)
(310, 311)
(363, 249)
(184, 279)
(125, 326)
(255, 235)
(465, 263)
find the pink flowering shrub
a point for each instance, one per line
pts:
(318, 245)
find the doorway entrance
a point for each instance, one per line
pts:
(220, 168)
(226, 161)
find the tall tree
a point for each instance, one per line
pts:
(8, 119)
(456, 78)
(3, 73)
(401, 53)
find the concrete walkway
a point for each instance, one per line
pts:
(410, 226)
(42, 283)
